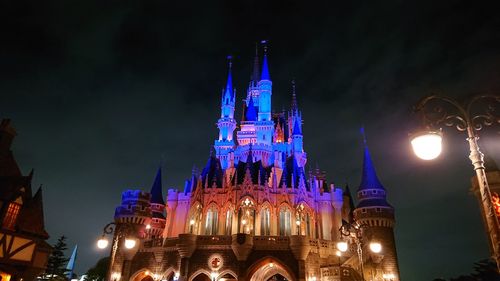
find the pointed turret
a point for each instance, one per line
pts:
(251, 113)
(369, 179)
(71, 263)
(256, 68)
(226, 122)
(296, 128)
(228, 90)
(377, 215)
(265, 67)
(157, 224)
(31, 218)
(156, 189)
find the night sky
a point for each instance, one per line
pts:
(102, 92)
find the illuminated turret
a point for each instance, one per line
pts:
(226, 123)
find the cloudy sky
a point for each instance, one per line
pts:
(102, 92)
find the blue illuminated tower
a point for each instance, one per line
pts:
(157, 224)
(296, 138)
(377, 214)
(226, 124)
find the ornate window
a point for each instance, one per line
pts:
(265, 221)
(285, 221)
(246, 217)
(229, 221)
(194, 219)
(211, 222)
(10, 218)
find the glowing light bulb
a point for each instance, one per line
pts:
(130, 243)
(375, 247)
(102, 243)
(342, 246)
(427, 145)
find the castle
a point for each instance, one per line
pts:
(255, 212)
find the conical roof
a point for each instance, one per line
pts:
(156, 189)
(369, 179)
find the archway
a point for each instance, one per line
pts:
(269, 269)
(201, 277)
(142, 275)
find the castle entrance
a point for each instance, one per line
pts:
(269, 270)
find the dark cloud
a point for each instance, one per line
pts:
(101, 92)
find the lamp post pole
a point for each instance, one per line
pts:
(120, 231)
(355, 230)
(464, 120)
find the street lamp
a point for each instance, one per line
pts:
(122, 232)
(427, 144)
(355, 231)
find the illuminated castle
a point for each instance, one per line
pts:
(254, 212)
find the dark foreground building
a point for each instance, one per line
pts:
(255, 212)
(23, 250)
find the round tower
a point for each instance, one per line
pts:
(156, 225)
(135, 210)
(377, 216)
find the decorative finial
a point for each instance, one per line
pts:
(230, 61)
(362, 131)
(264, 43)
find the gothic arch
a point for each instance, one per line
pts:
(266, 267)
(228, 271)
(140, 274)
(198, 272)
(167, 273)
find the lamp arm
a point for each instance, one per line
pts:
(461, 120)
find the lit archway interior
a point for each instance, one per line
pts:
(271, 270)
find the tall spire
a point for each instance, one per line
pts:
(295, 107)
(256, 67)
(156, 189)
(369, 178)
(265, 67)
(228, 91)
(71, 263)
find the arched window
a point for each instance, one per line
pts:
(265, 221)
(285, 221)
(211, 222)
(195, 218)
(229, 221)
(246, 217)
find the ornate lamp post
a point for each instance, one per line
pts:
(427, 144)
(355, 231)
(122, 232)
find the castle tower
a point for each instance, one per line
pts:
(157, 223)
(377, 215)
(295, 128)
(135, 210)
(226, 122)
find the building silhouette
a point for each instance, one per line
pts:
(23, 249)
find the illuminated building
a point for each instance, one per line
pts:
(23, 250)
(254, 212)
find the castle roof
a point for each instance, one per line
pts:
(31, 218)
(156, 189)
(228, 91)
(369, 179)
(251, 112)
(265, 69)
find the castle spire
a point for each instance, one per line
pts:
(156, 189)
(369, 178)
(294, 106)
(228, 91)
(251, 113)
(256, 67)
(265, 67)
